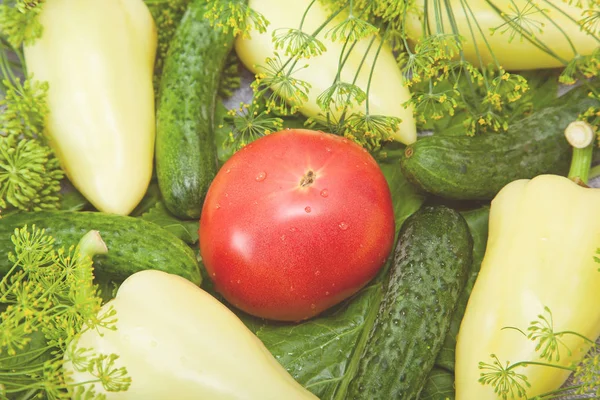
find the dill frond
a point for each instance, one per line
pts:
(284, 93)
(50, 298)
(19, 21)
(549, 342)
(297, 43)
(24, 108)
(521, 21)
(434, 105)
(250, 122)
(591, 21)
(506, 382)
(235, 16)
(351, 29)
(341, 95)
(370, 131)
(30, 175)
(587, 374)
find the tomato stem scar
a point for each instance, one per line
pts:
(308, 178)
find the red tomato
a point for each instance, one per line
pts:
(294, 223)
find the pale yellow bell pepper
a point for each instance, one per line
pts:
(560, 32)
(387, 92)
(178, 342)
(98, 58)
(543, 234)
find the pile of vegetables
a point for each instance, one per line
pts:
(333, 199)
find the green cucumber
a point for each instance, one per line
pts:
(476, 168)
(431, 263)
(186, 153)
(133, 243)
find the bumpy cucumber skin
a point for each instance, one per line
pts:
(133, 243)
(186, 154)
(432, 258)
(476, 168)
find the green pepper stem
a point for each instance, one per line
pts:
(89, 245)
(580, 136)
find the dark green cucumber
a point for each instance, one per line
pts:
(186, 153)
(133, 243)
(432, 257)
(476, 168)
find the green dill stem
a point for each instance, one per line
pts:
(439, 26)
(343, 59)
(541, 364)
(487, 44)
(90, 245)
(29, 395)
(456, 32)
(362, 62)
(7, 72)
(579, 335)
(305, 14)
(341, 62)
(558, 26)
(515, 329)
(581, 137)
(373, 70)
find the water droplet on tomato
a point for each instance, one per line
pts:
(324, 193)
(291, 288)
(261, 176)
(282, 237)
(317, 273)
(328, 149)
(307, 209)
(218, 206)
(343, 226)
(238, 281)
(364, 150)
(227, 171)
(214, 274)
(226, 194)
(326, 293)
(344, 140)
(313, 306)
(292, 229)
